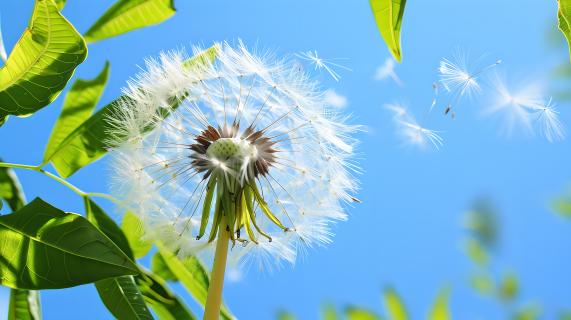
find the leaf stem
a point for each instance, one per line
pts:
(214, 297)
(53, 176)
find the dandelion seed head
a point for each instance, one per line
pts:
(249, 137)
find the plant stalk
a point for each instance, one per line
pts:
(214, 297)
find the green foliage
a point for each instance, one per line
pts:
(441, 308)
(60, 4)
(388, 15)
(78, 106)
(285, 315)
(562, 206)
(329, 312)
(357, 313)
(483, 223)
(482, 283)
(160, 268)
(24, 305)
(564, 17)
(87, 142)
(47, 248)
(477, 253)
(10, 189)
(509, 286)
(120, 295)
(122, 298)
(133, 230)
(128, 15)
(394, 305)
(41, 63)
(166, 304)
(193, 275)
(528, 312)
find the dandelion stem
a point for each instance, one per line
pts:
(214, 297)
(62, 181)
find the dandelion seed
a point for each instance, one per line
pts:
(414, 134)
(220, 165)
(460, 79)
(322, 63)
(435, 88)
(547, 122)
(388, 70)
(447, 110)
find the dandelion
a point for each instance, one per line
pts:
(322, 63)
(547, 122)
(409, 129)
(388, 70)
(460, 79)
(267, 171)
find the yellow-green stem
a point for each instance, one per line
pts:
(53, 176)
(214, 298)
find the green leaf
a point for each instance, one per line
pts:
(194, 277)
(394, 305)
(356, 313)
(24, 305)
(482, 283)
(120, 295)
(46, 248)
(528, 312)
(285, 315)
(10, 188)
(160, 268)
(60, 4)
(441, 308)
(477, 253)
(564, 17)
(87, 143)
(122, 298)
(564, 315)
(133, 230)
(482, 221)
(158, 295)
(41, 63)
(388, 14)
(128, 15)
(329, 312)
(78, 106)
(509, 286)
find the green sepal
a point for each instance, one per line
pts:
(264, 206)
(228, 208)
(207, 204)
(248, 195)
(246, 214)
(216, 221)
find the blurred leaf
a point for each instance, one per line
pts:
(87, 143)
(509, 286)
(356, 313)
(166, 304)
(3, 54)
(46, 248)
(329, 312)
(477, 253)
(389, 14)
(60, 4)
(194, 277)
(482, 283)
(24, 305)
(120, 295)
(441, 308)
(1, 204)
(562, 206)
(285, 315)
(41, 63)
(133, 230)
(565, 315)
(564, 17)
(77, 107)
(160, 268)
(528, 312)
(482, 220)
(393, 304)
(10, 188)
(128, 15)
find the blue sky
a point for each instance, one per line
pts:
(408, 231)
